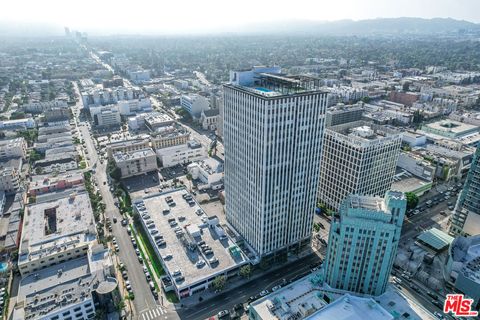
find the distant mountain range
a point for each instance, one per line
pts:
(380, 26)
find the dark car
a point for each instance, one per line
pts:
(238, 306)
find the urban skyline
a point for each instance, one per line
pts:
(291, 169)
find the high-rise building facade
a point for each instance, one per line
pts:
(273, 131)
(358, 158)
(466, 217)
(363, 243)
(341, 114)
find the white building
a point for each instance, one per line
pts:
(104, 96)
(414, 139)
(128, 107)
(69, 291)
(128, 145)
(187, 231)
(13, 148)
(27, 123)
(39, 107)
(181, 154)
(169, 136)
(194, 104)
(106, 115)
(55, 230)
(209, 119)
(358, 158)
(139, 75)
(133, 163)
(311, 299)
(10, 175)
(273, 142)
(209, 172)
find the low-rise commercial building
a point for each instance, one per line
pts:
(27, 123)
(69, 291)
(133, 163)
(157, 120)
(40, 107)
(128, 145)
(414, 139)
(181, 154)
(193, 248)
(53, 129)
(209, 173)
(41, 184)
(310, 298)
(57, 163)
(56, 229)
(169, 137)
(450, 128)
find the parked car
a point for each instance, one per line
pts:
(263, 293)
(223, 313)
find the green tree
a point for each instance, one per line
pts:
(412, 200)
(245, 271)
(219, 283)
(366, 99)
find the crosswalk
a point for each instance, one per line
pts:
(152, 314)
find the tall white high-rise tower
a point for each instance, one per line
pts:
(273, 131)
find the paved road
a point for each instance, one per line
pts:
(422, 299)
(241, 294)
(144, 300)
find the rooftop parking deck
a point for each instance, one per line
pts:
(184, 228)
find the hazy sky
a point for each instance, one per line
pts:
(180, 16)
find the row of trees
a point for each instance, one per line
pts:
(219, 282)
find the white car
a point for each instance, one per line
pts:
(275, 288)
(264, 293)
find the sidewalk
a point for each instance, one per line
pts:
(209, 294)
(146, 260)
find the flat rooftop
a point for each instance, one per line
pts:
(127, 142)
(56, 287)
(194, 228)
(62, 221)
(364, 131)
(366, 202)
(310, 298)
(133, 155)
(452, 126)
(350, 307)
(158, 118)
(406, 182)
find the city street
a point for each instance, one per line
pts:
(144, 301)
(227, 299)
